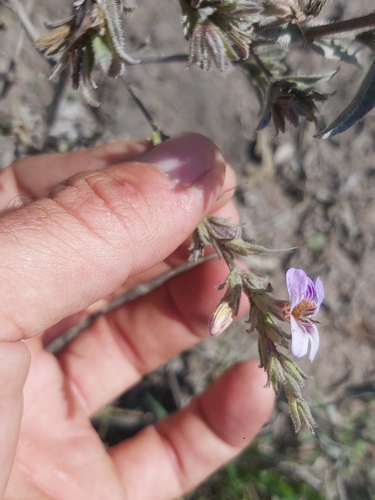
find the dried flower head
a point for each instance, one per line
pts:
(218, 30)
(91, 35)
(287, 101)
(293, 10)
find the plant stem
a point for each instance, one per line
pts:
(356, 23)
(63, 340)
(260, 65)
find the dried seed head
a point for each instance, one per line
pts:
(91, 36)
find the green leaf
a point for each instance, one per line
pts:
(283, 35)
(267, 113)
(367, 38)
(157, 408)
(103, 53)
(305, 83)
(362, 103)
(189, 18)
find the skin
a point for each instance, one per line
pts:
(75, 228)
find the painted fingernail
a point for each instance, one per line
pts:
(185, 158)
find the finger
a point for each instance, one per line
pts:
(36, 175)
(58, 456)
(119, 348)
(179, 257)
(182, 450)
(60, 254)
(14, 365)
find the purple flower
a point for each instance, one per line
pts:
(305, 299)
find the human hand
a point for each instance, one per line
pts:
(114, 220)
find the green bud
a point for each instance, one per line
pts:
(294, 370)
(292, 388)
(276, 334)
(275, 374)
(264, 350)
(301, 416)
(245, 248)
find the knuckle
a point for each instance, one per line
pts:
(103, 203)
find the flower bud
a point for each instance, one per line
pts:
(221, 318)
(275, 374)
(301, 415)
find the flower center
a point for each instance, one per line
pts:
(304, 309)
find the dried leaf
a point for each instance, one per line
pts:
(85, 78)
(112, 16)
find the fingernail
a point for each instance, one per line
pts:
(185, 158)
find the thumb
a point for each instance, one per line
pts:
(62, 253)
(14, 366)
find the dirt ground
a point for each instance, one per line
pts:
(293, 190)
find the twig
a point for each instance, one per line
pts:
(9, 77)
(139, 291)
(53, 108)
(267, 73)
(179, 58)
(17, 7)
(356, 23)
(155, 127)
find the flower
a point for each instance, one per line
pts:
(305, 300)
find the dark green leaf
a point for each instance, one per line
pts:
(305, 83)
(284, 35)
(362, 103)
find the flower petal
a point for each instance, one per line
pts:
(313, 335)
(300, 339)
(310, 292)
(319, 289)
(296, 282)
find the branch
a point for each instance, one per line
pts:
(17, 7)
(139, 291)
(356, 23)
